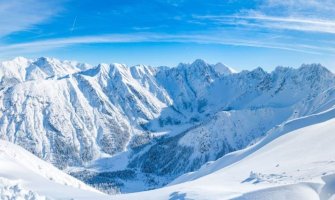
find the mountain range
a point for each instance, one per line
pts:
(127, 129)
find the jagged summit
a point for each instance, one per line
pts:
(20, 59)
(198, 63)
(201, 64)
(223, 69)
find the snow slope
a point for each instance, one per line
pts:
(24, 176)
(294, 161)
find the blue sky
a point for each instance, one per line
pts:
(242, 34)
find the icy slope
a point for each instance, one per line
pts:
(24, 176)
(295, 161)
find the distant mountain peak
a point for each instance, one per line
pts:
(223, 69)
(21, 59)
(199, 62)
(314, 67)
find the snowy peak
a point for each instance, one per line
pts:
(119, 69)
(21, 69)
(53, 67)
(13, 71)
(139, 71)
(198, 63)
(201, 65)
(310, 77)
(114, 71)
(21, 61)
(305, 70)
(316, 71)
(223, 69)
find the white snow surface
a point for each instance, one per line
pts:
(24, 176)
(294, 161)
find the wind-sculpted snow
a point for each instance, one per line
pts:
(155, 124)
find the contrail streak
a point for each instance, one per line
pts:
(74, 24)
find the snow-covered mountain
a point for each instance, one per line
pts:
(74, 118)
(135, 128)
(240, 109)
(21, 69)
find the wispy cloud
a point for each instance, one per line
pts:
(321, 8)
(42, 45)
(298, 15)
(273, 22)
(62, 42)
(24, 14)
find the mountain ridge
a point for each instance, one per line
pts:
(83, 116)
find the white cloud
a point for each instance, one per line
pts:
(42, 45)
(22, 15)
(299, 15)
(62, 42)
(274, 22)
(297, 7)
